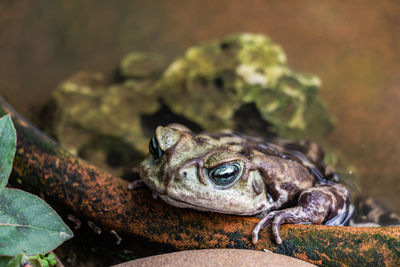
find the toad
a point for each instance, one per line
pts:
(276, 180)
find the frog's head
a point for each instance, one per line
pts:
(203, 172)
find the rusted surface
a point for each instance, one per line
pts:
(45, 168)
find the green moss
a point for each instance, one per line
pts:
(213, 80)
(85, 107)
(288, 247)
(334, 250)
(312, 254)
(392, 244)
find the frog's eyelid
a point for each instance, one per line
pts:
(233, 156)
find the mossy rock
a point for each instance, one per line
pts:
(242, 82)
(101, 122)
(213, 81)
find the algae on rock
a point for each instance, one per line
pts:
(212, 81)
(101, 121)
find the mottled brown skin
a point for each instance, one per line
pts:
(237, 174)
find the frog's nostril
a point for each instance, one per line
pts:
(184, 174)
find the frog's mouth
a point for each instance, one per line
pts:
(182, 204)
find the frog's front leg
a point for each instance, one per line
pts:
(328, 204)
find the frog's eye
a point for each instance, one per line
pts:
(155, 149)
(225, 175)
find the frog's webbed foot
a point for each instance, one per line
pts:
(315, 205)
(277, 218)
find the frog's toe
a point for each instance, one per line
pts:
(254, 238)
(276, 218)
(261, 225)
(276, 224)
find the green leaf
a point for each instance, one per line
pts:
(44, 263)
(5, 260)
(16, 261)
(28, 224)
(51, 258)
(47, 260)
(7, 148)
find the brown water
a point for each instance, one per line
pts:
(353, 47)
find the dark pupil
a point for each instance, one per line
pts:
(154, 149)
(225, 174)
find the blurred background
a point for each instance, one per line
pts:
(352, 46)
